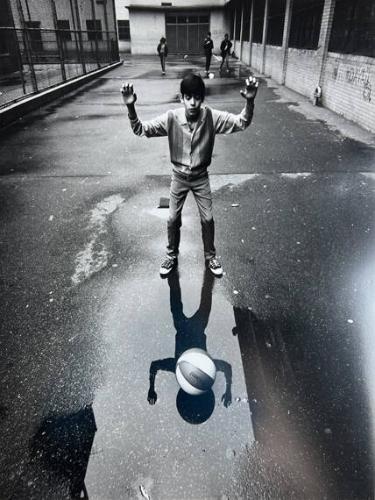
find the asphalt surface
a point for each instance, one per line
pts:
(84, 312)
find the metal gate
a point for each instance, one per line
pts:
(186, 31)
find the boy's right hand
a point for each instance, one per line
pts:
(128, 95)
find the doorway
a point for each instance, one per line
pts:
(186, 31)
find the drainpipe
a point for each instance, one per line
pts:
(286, 33)
(324, 36)
(241, 32)
(251, 32)
(264, 38)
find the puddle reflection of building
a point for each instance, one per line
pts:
(190, 332)
(324, 447)
(63, 445)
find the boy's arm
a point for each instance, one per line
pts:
(157, 127)
(168, 364)
(226, 368)
(228, 123)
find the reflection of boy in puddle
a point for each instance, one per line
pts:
(190, 333)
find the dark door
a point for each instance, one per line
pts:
(186, 31)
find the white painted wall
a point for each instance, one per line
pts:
(122, 14)
(256, 56)
(219, 26)
(274, 62)
(146, 29)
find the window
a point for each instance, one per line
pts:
(123, 30)
(238, 19)
(276, 14)
(35, 35)
(305, 24)
(246, 22)
(353, 29)
(258, 21)
(94, 29)
(64, 27)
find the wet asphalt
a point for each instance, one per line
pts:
(84, 312)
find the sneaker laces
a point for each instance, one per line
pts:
(168, 263)
(214, 263)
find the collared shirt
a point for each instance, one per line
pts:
(191, 150)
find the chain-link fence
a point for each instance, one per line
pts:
(31, 60)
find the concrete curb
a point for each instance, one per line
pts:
(18, 109)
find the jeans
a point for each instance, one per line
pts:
(208, 61)
(162, 61)
(199, 185)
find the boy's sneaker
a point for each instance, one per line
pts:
(167, 266)
(215, 267)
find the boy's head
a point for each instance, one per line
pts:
(193, 91)
(226, 36)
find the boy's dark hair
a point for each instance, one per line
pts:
(193, 84)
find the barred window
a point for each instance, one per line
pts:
(258, 21)
(305, 24)
(35, 35)
(94, 29)
(64, 27)
(246, 21)
(276, 15)
(123, 30)
(353, 29)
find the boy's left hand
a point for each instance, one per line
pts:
(251, 88)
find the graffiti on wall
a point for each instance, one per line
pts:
(358, 76)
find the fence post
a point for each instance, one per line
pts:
(81, 51)
(58, 41)
(26, 44)
(19, 59)
(96, 33)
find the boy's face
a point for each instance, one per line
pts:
(192, 105)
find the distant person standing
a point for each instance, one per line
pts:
(208, 45)
(163, 52)
(225, 47)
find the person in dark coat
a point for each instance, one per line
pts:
(225, 47)
(208, 45)
(162, 49)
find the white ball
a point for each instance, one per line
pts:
(185, 56)
(211, 75)
(195, 371)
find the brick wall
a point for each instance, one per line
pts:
(302, 72)
(349, 87)
(274, 62)
(246, 52)
(256, 56)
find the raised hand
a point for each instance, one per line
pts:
(251, 88)
(128, 94)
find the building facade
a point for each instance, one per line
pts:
(123, 25)
(184, 23)
(308, 43)
(44, 25)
